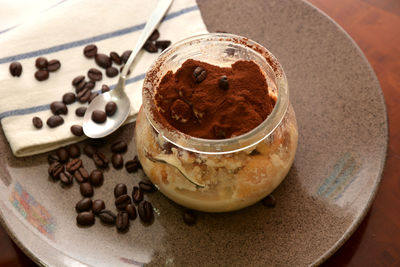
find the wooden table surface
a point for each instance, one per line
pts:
(375, 27)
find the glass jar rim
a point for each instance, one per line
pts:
(217, 146)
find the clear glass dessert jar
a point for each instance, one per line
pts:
(217, 175)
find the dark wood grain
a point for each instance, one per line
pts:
(375, 26)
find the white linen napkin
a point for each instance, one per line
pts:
(61, 31)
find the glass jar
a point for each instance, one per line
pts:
(225, 174)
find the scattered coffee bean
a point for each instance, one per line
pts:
(119, 147)
(119, 190)
(99, 116)
(96, 178)
(90, 51)
(150, 47)
(269, 201)
(122, 201)
(66, 178)
(77, 130)
(53, 65)
(107, 216)
(80, 87)
(68, 98)
(41, 63)
(100, 160)
(111, 108)
(115, 58)
(125, 56)
(86, 96)
(137, 194)
(131, 210)
(117, 161)
(82, 93)
(51, 158)
(98, 206)
(55, 169)
(15, 69)
(54, 121)
(223, 83)
(77, 80)
(81, 175)
(80, 112)
(145, 211)
(90, 85)
(93, 95)
(74, 151)
(37, 122)
(105, 88)
(111, 72)
(74, 165)
(41, 75)
(103, 61)
(132, 165)
(122, 222)
(58, 107)
(95, 74)
(89, 150)
(163, 44)
(86, 189)
(85, 204)
(147, 186)
(62, 154)
(154, 35)
(189, 217)
(85, 218)
(199, 74)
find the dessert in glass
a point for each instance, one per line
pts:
(216, 131)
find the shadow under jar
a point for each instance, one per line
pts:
(217, 175)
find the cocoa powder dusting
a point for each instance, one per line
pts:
(204, 110)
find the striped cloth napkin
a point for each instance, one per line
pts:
(60, 30)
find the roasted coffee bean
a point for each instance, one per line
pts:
(86, 189)
(89, 150)
(131, 210)
(100, 160)
(90, 85)
(77, 80)
(117, 161)
(150, 47)
(74, 151)
(103, 61)
(85, 204)
(96, 178)
(58, 107)
(86, 96)
(55, 169)
(80, 87)
(80, 112)
(119, 190)
(62, 154)
(111, 108)
(77, 130)
(126, 55)
(147, 186)
(68, 98)
(54, 121)
(37, 122)
(223, 83)
(99, 116)
(41, 63)
(119, 147)
(15, 69)
(145, 211)
(93, 95)
(199, 74)
(111, 72)
(81, 175)
(154, 35)
(115, 58)
(51, 158)
(132, 165)
(122, 222)
(163, 44)
(66, 178)
(98, 206)
(90, 51)
(105, 88)
(122, 201)
(189, 217)
(82, 93)
(137, 194)
(85, 218)
(41, 75)
(269, 201)
(94, 74)
(74, 165)
(107, 216)
(53, 65)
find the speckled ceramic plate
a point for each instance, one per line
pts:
(342, 147)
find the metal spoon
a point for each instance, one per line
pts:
(118, 95)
